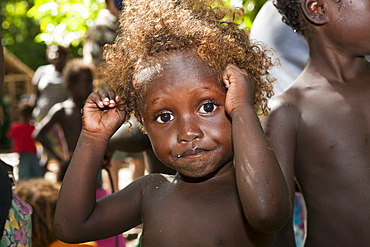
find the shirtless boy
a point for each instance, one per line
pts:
(319, 128)
(78, 78)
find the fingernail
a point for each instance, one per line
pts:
(111, 101)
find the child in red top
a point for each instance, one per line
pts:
(21, 134)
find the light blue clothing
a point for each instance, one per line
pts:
(29, 166)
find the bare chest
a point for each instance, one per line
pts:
(197, 216)
(332, 161)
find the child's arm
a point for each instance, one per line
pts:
(129, 138)
(280, 127)
(79, 217)
(40, 133)
(263, 191)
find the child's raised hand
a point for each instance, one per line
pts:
(241, 88)
(102, 114)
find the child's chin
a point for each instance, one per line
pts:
(196, 176)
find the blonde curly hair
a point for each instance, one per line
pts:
(151, 30)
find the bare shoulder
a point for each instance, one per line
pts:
(152, 181)
(283, 109)
(288, 106)
(55, 110)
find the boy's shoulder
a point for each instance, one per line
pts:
(305, 90)
(61, 107)
(153, 179)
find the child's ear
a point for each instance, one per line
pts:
(314, 11)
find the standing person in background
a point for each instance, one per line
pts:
(103, 31)
(66, 116)
(23, 143)
(48, 82)
(48, 90)
(319, 127)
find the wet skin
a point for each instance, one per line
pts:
(190, 119)
(319, 128)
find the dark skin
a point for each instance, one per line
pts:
(319, 128)
(209, 201)
(67, 114)
(129, 138)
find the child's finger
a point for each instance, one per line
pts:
(228, 73)
(225, 78)
(106, 98)
(112, 97)
(96, 98)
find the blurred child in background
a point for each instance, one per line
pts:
(20, 132)
(59, 130)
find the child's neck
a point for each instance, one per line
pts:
(77, 101)
(223, 171)
(349, 70)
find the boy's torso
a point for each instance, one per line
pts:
(332, 160)
(71, 123)
(178, 213)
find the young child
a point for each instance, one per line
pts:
(193, 82)
(20, 132)
(319, 128)
(78, 78)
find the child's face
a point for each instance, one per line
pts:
(184, 115)
(350, 24)
(84, 85)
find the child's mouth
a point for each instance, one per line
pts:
(192, 153)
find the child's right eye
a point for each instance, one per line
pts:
(164, 117)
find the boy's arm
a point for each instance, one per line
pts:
(280, 127)
(46, 124)
(129, 138)
(79, 217)
(263, 191)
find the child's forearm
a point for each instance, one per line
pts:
(263, 190)
(77, 196)
(46, 145)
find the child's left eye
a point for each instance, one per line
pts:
(207, 107)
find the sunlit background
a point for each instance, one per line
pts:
(29, 25)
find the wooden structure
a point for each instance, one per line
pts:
(17, 80)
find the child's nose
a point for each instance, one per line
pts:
(189, 130)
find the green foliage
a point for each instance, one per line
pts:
(28, 26)
(18, 32)
(64, 22)
(250, 7)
